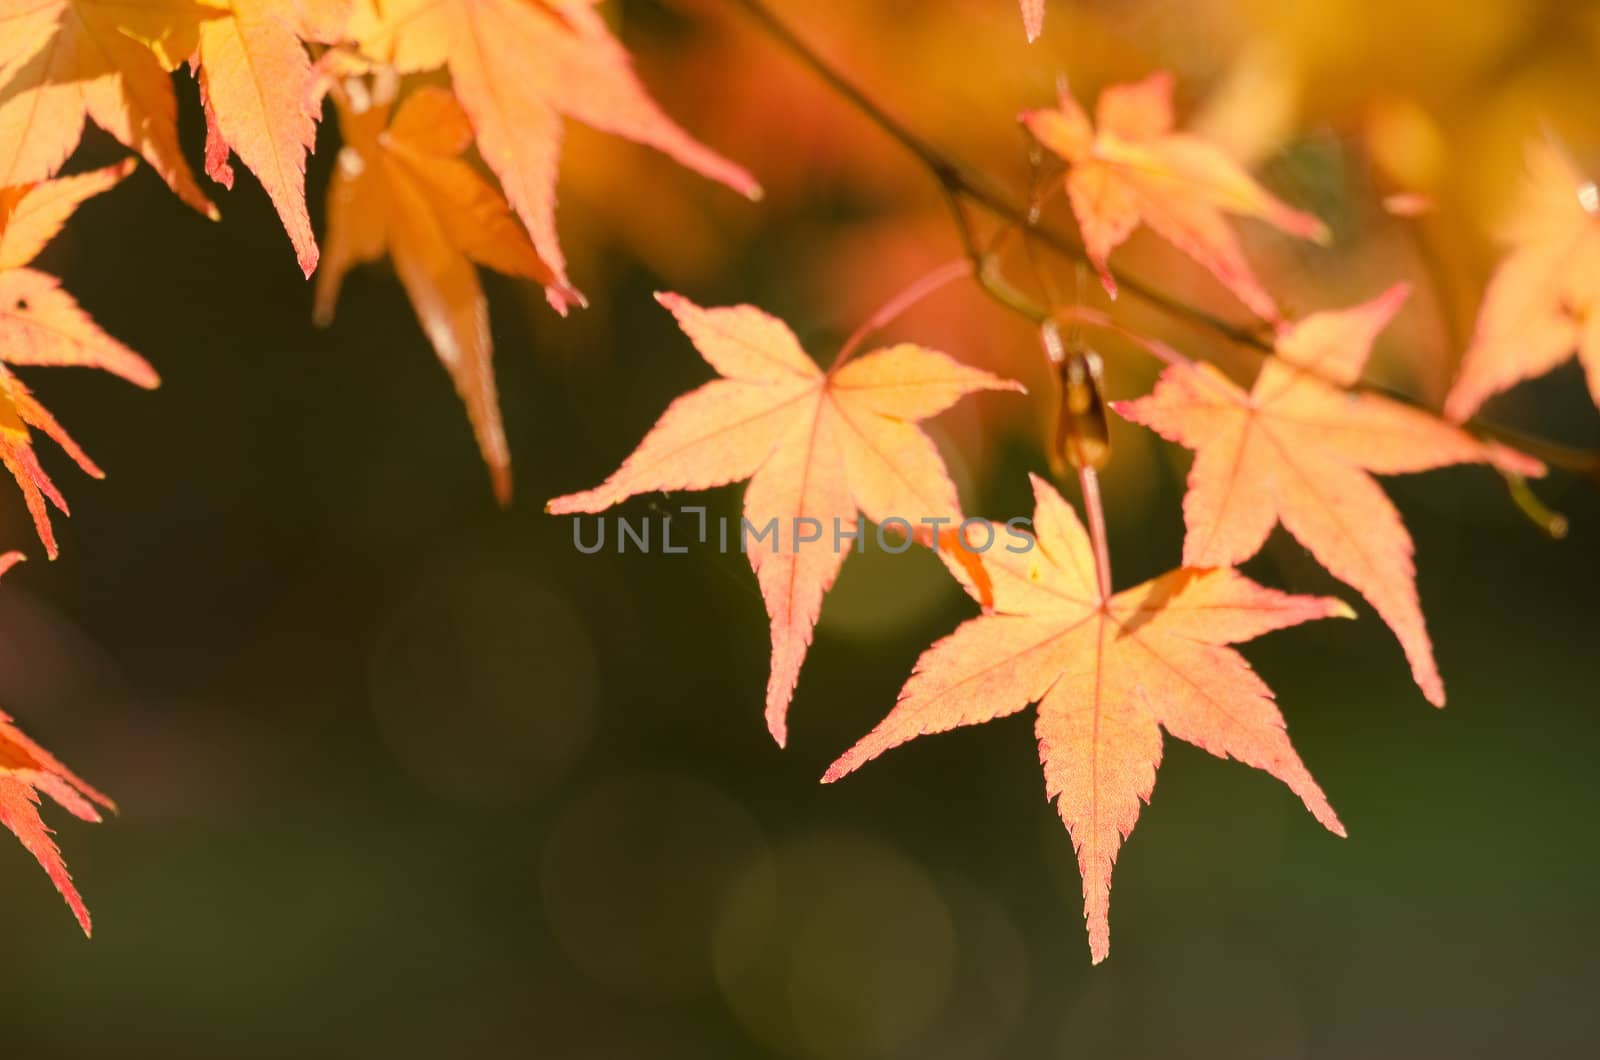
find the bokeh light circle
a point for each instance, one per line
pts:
(632, 878)
(483, 684)
(842, 947)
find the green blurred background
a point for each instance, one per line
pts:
(402, 774)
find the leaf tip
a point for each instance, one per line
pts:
(1460, 405)
(500, 482)
(139, 372)
(562, 296)
(777, 713)
(1032, 19)
(1043, 488)
(1108, 281)
(847, 763)
(1397, 292)
(80, 912)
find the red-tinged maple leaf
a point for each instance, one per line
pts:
(62, 60)
(258, 91)
(519, 67)
(1131, 167)
(1298, 448)
(1543, 304)
(1108, 675)
(40, 324)
(26, 770)
(402, 188)
(815, 446)
(1033, 18)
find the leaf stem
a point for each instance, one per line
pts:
(1089, 482)
(1155, 347)
(1552, 523)
(891, 310)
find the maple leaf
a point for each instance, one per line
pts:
(1131, 167)
(323, 21)
(40, 324)
(1298, 448)
(62, 60)
(402, 188)
(258, 91)
(814, 445)
(1108, 675)
(1543, 303)
(26, 770)
(519, 67)
(1033, 18)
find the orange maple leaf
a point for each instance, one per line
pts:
(1299, 448)
(402, 188)
(62, 60)
(519, 67)
(258, 91)
(1543, 303)
(1108, 676)
(1033, 18)
(815, 446)
(26, 769)
(1130, 167)
(42, 324)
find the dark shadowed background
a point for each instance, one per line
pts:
(403, 774)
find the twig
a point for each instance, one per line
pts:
(957, 179)
(959, 185)
(984, 267)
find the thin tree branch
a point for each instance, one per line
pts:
(959, 180)
(960, 184)
(985, 268)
